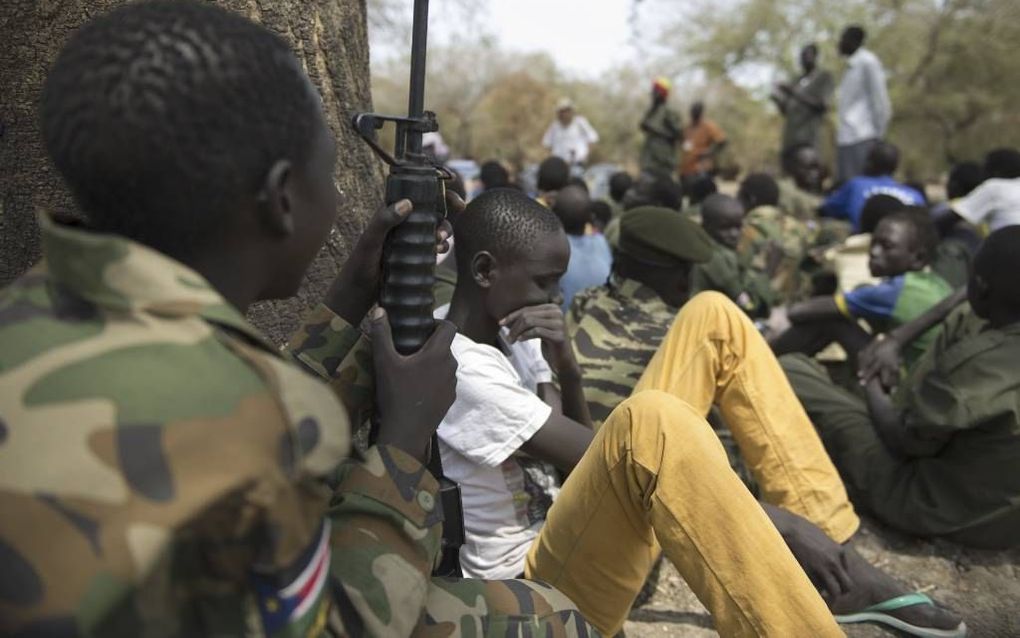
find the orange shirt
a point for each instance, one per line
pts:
(698, 139)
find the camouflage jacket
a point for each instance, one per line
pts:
(164, 470)
(799, 203)
(615, 329)
(767, 226)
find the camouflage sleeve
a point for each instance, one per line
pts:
(387, 522)
(386, 525)
(340, 354)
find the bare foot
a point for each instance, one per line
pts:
(872, 586)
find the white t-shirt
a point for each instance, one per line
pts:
(864, 107)
(496, 411)
(995, 202)
(570, 142)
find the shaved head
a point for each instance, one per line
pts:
(573, 207)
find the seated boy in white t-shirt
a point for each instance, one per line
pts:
(655, 473)
(598, 540)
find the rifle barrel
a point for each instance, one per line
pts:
(416, 89)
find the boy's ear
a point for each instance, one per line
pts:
(274, 203)
(483, 268)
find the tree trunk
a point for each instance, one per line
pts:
(329, 36)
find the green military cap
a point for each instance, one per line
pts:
(662, 236)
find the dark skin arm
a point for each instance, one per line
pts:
(885, 418)
(816, 105)
(888, 424)
(882, 358)
(567, 433)
(356, 289)
(814, 309)
(821, 557)
(546, 322)
(414, 392)
(561, 441)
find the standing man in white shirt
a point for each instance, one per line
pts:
(864, 108)
(570, 135)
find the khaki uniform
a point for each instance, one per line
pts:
(165, 470)
(965, 388)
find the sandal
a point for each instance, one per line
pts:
(878, 614)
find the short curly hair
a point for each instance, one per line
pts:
(163, 116)
(503, 221)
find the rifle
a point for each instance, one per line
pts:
(409, 258)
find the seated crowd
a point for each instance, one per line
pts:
(199, 481)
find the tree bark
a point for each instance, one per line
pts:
(330, 37)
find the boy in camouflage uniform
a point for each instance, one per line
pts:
(727, 272)
(774, 243)
(164, 470)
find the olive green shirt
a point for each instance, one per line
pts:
(658, 154)
(963, 397)
(727, 273)
(803, 124)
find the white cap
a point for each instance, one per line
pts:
(564, 103)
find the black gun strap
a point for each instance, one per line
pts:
(435, 463)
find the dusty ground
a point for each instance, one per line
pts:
(984, 587)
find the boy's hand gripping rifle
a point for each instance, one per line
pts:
(409, 259)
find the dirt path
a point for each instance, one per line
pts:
(982, 586)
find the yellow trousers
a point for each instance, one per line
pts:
(657, 474)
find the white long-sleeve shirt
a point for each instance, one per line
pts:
(864, 108)
(571, 141)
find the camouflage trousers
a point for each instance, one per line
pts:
(525, 608)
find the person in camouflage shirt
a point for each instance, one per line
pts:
(627, 336)
(728, 272)
(164, 469)
(773, 243)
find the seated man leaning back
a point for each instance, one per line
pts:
(640, 330)
(937, 455)
(653, 474)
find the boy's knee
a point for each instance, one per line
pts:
(654, 417)
(710, 305)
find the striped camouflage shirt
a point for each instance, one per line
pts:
(615, 329)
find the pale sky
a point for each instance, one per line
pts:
(584, 37)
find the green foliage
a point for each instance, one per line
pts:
(952, 78)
